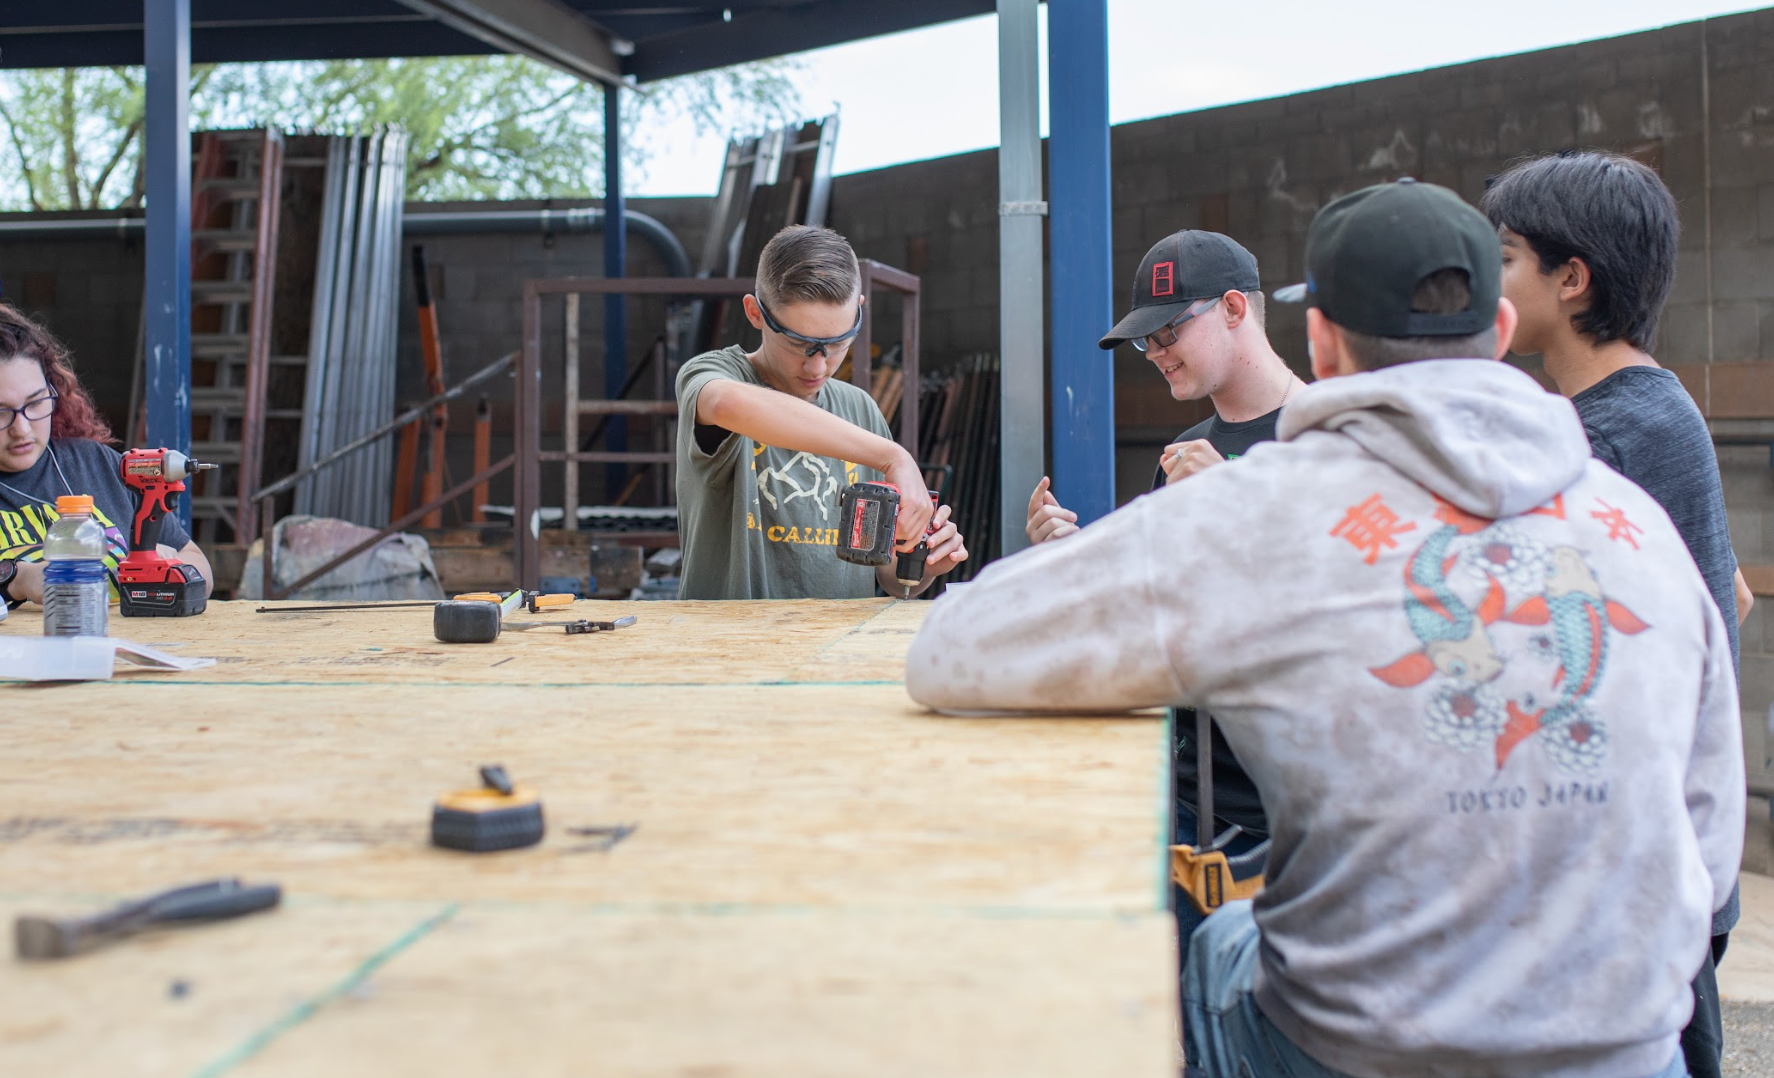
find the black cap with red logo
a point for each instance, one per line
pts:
(1179, 269)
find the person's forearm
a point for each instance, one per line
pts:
(1715, 784)
(775, 418)
(888, 577)
(1013, 640)
(27, 584)
(1746, 599)
(191, 554)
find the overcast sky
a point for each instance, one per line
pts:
(933, 92)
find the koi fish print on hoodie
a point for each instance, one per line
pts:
(1486, 697)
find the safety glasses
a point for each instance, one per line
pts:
(1166, 335)
(815, 346)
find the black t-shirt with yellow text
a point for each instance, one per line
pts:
(72, 466)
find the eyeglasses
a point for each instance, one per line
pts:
(41, 408)
(816, 346)
(1166, 335)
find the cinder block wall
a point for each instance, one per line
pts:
(89, 292)
(1695, 101)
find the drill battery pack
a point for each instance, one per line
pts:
(180, 595)
(867, 513)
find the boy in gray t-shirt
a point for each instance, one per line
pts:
(767, 440)
(1589, 246)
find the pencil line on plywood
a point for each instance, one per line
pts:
(307, 1009)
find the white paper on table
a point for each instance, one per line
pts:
(154, 658)
(80, 658)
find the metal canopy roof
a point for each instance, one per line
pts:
(595, 39)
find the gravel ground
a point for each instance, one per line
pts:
(1749, 1040)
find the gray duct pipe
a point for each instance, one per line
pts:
(79, 228)
(589, 219)
(453, 223)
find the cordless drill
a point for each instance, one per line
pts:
(149, 584)
(868, 514)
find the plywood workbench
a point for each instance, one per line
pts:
(826, 880)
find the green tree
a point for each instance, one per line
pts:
(484, 127)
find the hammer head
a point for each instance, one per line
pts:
(46, 937)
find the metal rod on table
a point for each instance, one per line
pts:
(322, 608)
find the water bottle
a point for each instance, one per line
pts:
(76, 591)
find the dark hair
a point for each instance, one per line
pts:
(1608, 210)
(1446, 291)
(1258, 308)
(807, 264)
(75, 416)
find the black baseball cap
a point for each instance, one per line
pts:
(1366, 253)
(1180, 269)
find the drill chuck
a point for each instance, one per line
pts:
(179, 467)
(908, 568)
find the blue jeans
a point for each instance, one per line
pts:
(1225, 1033)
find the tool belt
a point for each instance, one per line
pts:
(1205, 872)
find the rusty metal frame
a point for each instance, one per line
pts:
(258, 355)
(267, 498)
(527, 445)
(876, 276)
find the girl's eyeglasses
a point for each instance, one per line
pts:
(41, 408)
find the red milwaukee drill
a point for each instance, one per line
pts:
(150, 585)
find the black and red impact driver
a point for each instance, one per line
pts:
(150, 584)
(868, 514)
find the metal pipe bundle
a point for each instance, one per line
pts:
(351, 361)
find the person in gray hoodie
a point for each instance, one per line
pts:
(1485, 694)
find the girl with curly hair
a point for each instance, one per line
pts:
(54, 442)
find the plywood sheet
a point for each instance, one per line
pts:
(826, 879)
(561, 995)
(700, 643)
(389, 989)
(804, 794)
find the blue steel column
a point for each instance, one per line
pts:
(167, 296)
(1083, 279)
(615, 307)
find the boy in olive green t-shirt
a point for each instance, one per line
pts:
(767, 440)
